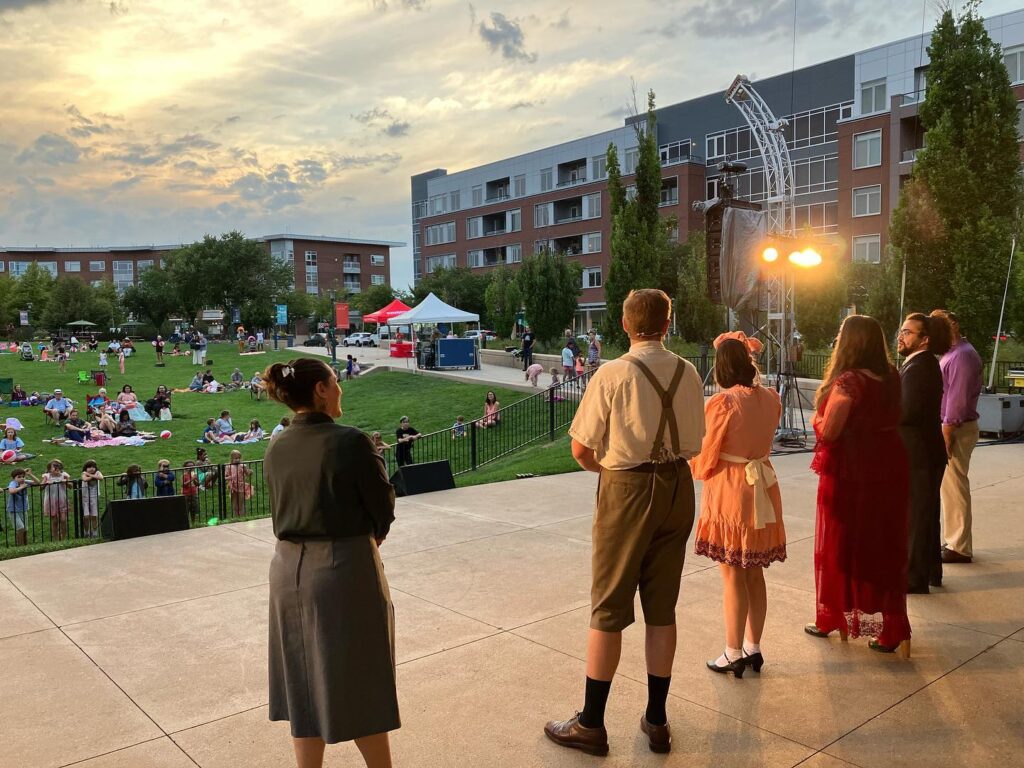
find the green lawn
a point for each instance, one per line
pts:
(541, 458)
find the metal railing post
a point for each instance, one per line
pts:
(472, 446)
(551, 414)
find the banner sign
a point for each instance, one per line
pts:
(282, 314)
(236, 315)
(23, 314)
(341, 315)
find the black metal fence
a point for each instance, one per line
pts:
(52, 512)
(480, 441)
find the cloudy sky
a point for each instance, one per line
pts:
(156, 121)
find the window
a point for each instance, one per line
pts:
(377, 259)
(711, 189)
(1020, 121)
(632, 158)
(542, 215)
(454, 201)
(478, 195)
(437, 205)
(441, 233)
(72, 266)
(546, 179)
(312, 273)
(475, 258)
(715, 146)
(872, 97)
(474, 227)
(592, 277)
(867, 149)
(669, 191)
(18, 268)
(676, 152)
(592, 242)
(144, 265)
(599, 167)
(519, 186)
(631, 192)
(124, 274)
(447, 261)
(97, 266)
(1014, 60)
(377, 279)
(419, 210)
(97, 283)
(514, 220)
(867, 249)
(283, 251)
(539, 246)
(821, 217)
(805, 129)
(592, 205)
(867, 201)
(513, 254)
(49, 266)
(3, 266)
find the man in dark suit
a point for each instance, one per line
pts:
(920, 339)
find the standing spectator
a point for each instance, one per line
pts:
(164, 479)
(533, 373)
(378, 444)
(961, 379)
(567, 361)
(74, 343)
(133, 482)
(920, 340)
(103, 361)
(332, 671)
(260, 340)
(195, 345)
(405, 436)
(91, 477)
(860, 551)
(740, 525)
(62, 359)
(527, 348)
(190, 490)
(348, 367)
(645, 507)
(158, 345)
(57, 407)
(55, 499)
(593, 351)
(236, 475)
(120, 360)
(202, 349)
(17, 502)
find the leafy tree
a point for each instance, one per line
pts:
(459, 286)
(153, 298)
(372, 299)
(954, 222)
(820, 295)
(697, 318)
(504, 299)
(8, 311)
(550, 286)
(106, 306)
(32, 291)
(639, 237)
(70, 300)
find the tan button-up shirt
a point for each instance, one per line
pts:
(620, 412)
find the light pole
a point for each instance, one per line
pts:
(331, 338)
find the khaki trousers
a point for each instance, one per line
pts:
(956, 490)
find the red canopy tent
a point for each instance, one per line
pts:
(394, 309)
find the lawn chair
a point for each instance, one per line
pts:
(84, 377)
(6, 387)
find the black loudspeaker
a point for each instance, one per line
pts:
(128, 518)
(423, 478)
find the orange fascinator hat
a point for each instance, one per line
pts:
(754, 345)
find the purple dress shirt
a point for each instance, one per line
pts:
(961, 383)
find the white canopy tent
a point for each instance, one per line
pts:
(431, 311)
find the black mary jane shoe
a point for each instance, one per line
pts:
(755, 661)
(736, 667)
(812, 629)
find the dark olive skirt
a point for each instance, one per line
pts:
(332, 640)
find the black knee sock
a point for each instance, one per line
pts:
(592, 715)
(657, 694)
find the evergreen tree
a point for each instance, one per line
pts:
(504, 300)
(550, 286)
(954, 221)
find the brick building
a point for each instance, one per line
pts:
(853, 134)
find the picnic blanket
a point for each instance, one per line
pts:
(21, 457)
(136, 441)
(250, 441)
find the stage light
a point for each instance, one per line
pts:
(770, 254)
(806, 258)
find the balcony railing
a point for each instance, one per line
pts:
(495, 231)
(501, 194)
(910, 155)
(572, 182)
(909, 99)
(568, 219)
(351, 268)
(669, 199)
(353, 287)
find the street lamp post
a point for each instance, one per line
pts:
(331, 335)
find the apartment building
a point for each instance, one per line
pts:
(853, 133)
(322, 264)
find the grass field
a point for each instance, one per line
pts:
(372, 402)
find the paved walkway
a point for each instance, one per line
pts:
(151, 653)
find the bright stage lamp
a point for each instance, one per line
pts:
(770, 254)
(806, 258)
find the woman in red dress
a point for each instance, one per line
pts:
(860, 546)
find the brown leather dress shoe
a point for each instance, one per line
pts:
(951, 556)
(659, 737)
(569, 733)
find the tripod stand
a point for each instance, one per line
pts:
(788, 433)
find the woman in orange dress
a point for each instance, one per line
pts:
(740, 524)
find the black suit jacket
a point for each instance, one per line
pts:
(921, 418)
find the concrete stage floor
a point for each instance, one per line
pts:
(151, 653)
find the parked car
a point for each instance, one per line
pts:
(487, 335)
(316, 340)
(360, 339)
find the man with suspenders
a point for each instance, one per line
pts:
(641, 418)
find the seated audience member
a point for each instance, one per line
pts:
(127, 397)
(197, 383)
(58, 407)
(255, 432)
(212, 387)
(176, 349)
(75, 428)
(224, 425)
(98, 402)
(11, 441)
(105, 423)
(18, 394)
(125, 427)
(282, 425)
(236, 379)
(256, 385)
(207, 376)
(160, 400)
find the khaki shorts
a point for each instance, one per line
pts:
(641, 524)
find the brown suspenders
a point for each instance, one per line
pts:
(668, 416)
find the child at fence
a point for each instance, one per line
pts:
(236, 475)
(458, 428)
(17, 502)
(133, 482)
(554, 389)
(190, 490)
(91, 477)
(164, 480)
(55, 499)
(378, 444)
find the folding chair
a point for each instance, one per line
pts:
(6, 387)
(84, 377)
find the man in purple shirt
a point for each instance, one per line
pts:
(961, 380)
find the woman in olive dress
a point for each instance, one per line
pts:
(332, 640)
